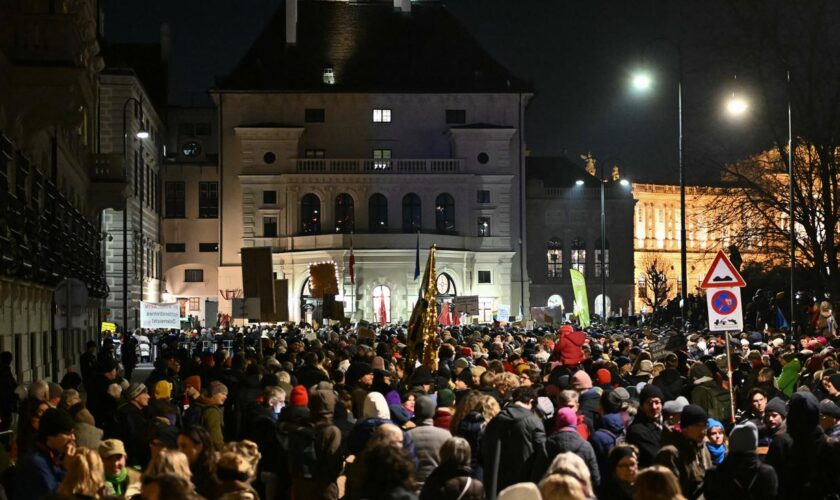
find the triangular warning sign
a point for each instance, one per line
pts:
(722, 274)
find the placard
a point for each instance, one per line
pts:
(467, 304)
(154, 315)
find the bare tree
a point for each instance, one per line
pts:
(657, 285)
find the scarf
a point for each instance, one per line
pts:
(119, 482)
(718, 452)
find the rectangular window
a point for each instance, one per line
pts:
(314, 153)
(598, 263)
(176, 247)
(381, 158)
(269, 227)
(483, 196)
(382, 116)
(314, 115)
(456, 116)
(269, 197)
(483, 226)
(194, 275)
(208, 200)
(485, 277)
(208, 247)
(195, 304)
(175, 200)
(485, 310)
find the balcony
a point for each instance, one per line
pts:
(381, 241)
(108, 183)
(376, 166)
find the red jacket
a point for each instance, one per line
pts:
(567, 349)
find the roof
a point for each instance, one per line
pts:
(556, 171)
(371, 48)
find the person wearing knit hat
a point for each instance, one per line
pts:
(299, 397)
(615, 400)
(163, 390)
(134, 390)
(741, 462)
(581, 381)
(683, 452)
(646, 430)
(193, 382)
(212, 412)
(445, 408)
(830, 418)
(40, 471)
(306, 483)
(567, 440)
(672, 410)
(604, 377)
(775, 414)
(715, 440)
(708, 394)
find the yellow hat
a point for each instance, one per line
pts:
(163, 390)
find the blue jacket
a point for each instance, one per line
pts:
(603, 440)
(38, 474)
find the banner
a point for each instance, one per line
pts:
(466, 304)
(504, 313)
(109, 327)
(153, 315)
(581, 302)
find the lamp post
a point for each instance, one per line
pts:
(737, 106)
(602, 181)
(643, 82)
(142, 135)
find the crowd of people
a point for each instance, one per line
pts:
(291, 412)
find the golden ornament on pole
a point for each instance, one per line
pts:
(422, 326)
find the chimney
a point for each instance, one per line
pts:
(291, 22)
(165, 42)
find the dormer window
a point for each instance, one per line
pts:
(329, 75)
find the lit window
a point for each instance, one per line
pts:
(382, 304)
(579, 255)
(484, 226)
(382, 116)
(598, 259)
(554, 257)
(381, 159)
(195, 304)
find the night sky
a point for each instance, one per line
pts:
(577, 54)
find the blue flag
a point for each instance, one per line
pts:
(417, 258)
(781, 322)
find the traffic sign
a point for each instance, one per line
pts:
(725, 312)
(722, 274)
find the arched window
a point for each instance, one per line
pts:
(382, 304)
(554, 256)
(378, 213)
(310, 214)
(344, 220)
(411, 213)
(579, 255)
(445, 213)
(606, 260)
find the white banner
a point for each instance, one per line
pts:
(153, 315)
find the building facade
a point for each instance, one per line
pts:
(132, 140)
(564, 221)
(190, 225)
(51, 273)
(333, 135)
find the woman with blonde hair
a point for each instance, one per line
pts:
(169, 462)
(505, 383)
(561, 487)
(657, 483)
(85, 475)
(569, 464)
(470, 420)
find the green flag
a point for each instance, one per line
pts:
(581, 302)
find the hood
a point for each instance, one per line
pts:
(803, 414)
(322, 403)
(613, 422)
(376, 407)
(577, 337)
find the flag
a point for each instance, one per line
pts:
(383, 312)
(417, 260)
(352, 263)
(781, 322)
(444, 318)
(422, 325)
(456, 319)
(581, 302)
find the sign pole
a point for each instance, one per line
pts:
(729, 375)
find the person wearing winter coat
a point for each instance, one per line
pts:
(321, 483)
(830, 418)
(452, 479)
(40, 472)
(683, 452)
(708, 395)
(568, 440)
(741, 475)
(568, 350)
(618, 479)
(604, 439)
(645, 432)
(670, 381)
(512, 442)
(786, 381)
(428, 439)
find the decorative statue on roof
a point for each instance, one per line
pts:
(616, 176)
(590, 163)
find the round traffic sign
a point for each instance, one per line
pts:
(724, 302)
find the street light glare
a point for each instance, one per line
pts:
(642, 81)
(143, 134)
(579, 182)
(736, 106)
(624, 182)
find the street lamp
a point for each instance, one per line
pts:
(642, 81)
(736, 107)
(602, 181)
(141, 134)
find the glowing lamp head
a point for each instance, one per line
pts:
(642, 81)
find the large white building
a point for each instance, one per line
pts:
(377, 123)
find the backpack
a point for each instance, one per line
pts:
(303, 453)
(719, 408)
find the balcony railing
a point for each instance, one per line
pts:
(375, 166)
